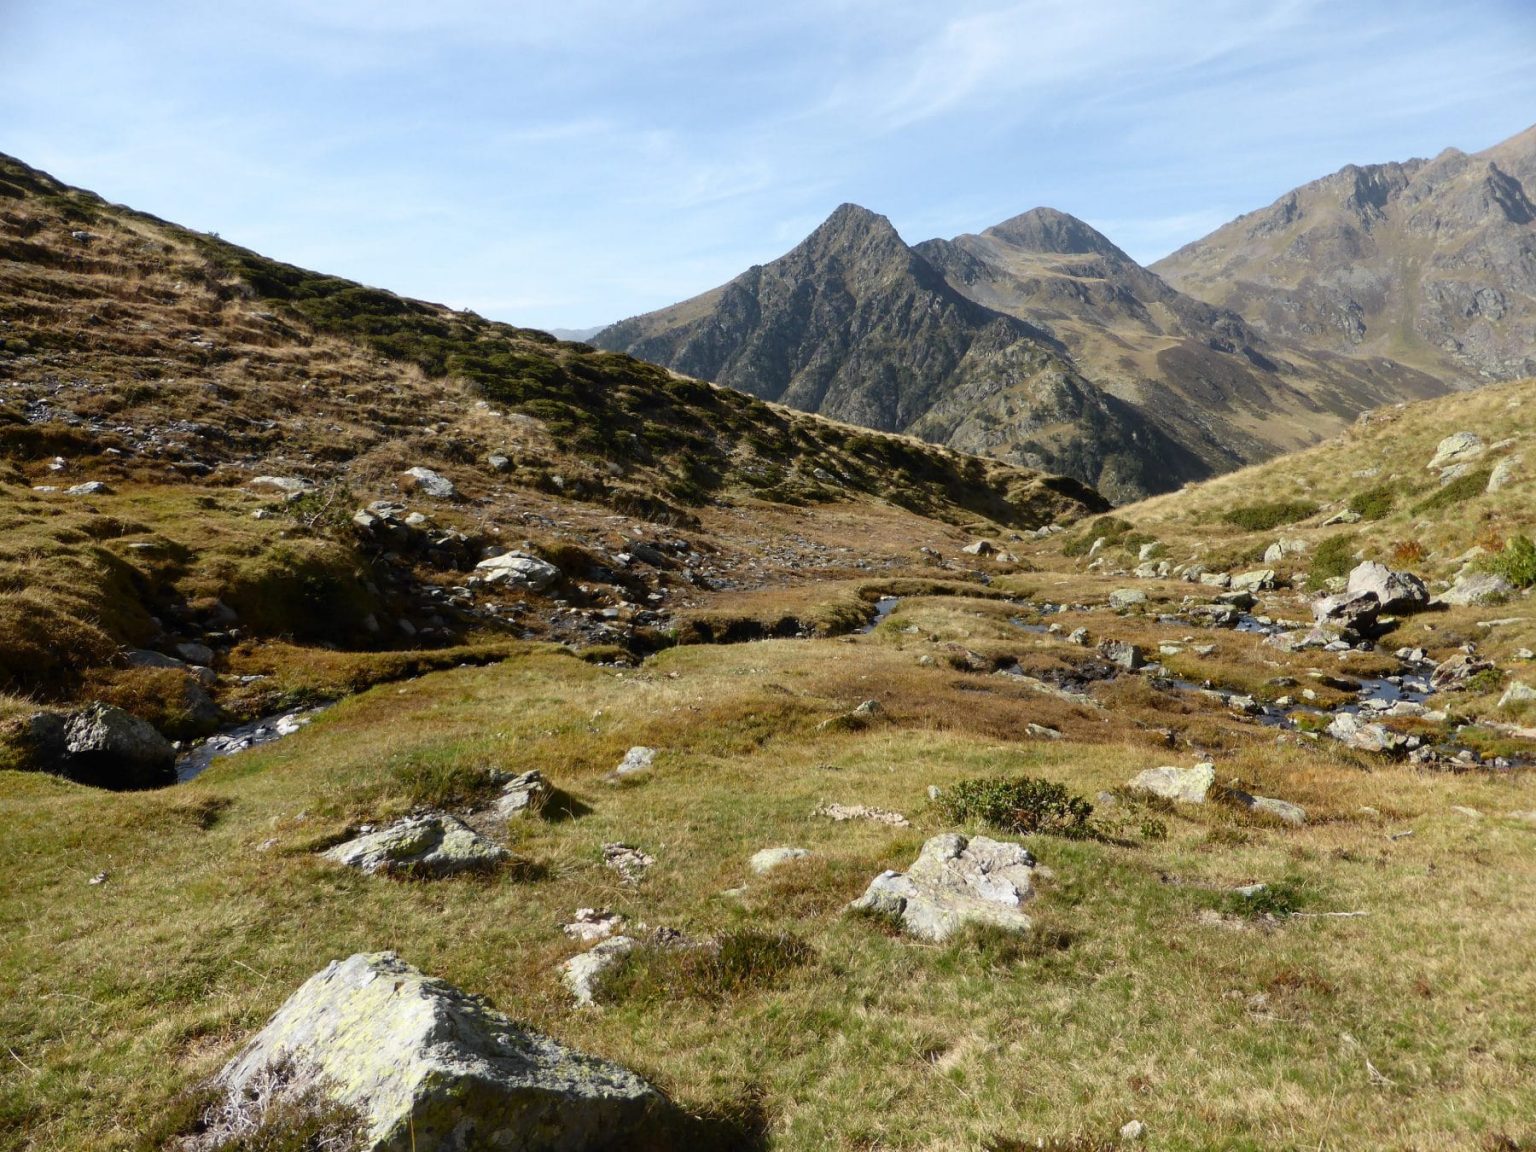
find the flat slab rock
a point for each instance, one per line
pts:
(432, 1069)
(434, 844)
(955, 882)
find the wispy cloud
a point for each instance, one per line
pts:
(573, 162)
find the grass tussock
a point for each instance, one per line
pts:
(1018, 805)
(736, 963)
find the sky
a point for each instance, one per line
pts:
(574, 162)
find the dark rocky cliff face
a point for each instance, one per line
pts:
(855, 325)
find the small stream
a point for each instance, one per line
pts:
(252, 734)
(883, 608)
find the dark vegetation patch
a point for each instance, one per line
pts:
(1458, 491)
(1374, 503)
(1262, 517)
(1020, 805)
(1334, 557)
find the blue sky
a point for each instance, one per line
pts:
(577, 162)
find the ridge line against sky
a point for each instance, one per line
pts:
(580, 163)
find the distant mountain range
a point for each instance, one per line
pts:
(1429, 262)
(1042, 343)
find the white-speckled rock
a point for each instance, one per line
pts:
(1186, 785)
(520, 569)
(431, 1069)
(770, 858)
(583, 973)
(434, 844)
(1457, 448)
(954, 882)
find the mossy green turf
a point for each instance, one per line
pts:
(1252, 1034)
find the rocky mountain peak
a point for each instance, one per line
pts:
(1047, 230)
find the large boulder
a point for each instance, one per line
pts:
(955, 882)
(429, 845)
(1355, 611)
(429, 1068)
(105, 746)
(1395, 591)
(520, 570)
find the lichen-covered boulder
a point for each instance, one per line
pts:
(430, 845)
(955, 882)
(1186, 785)
(431, 1069)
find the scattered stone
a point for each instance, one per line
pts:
(1477, 588)
(1122, 598)
(1454, 671)
(1282, 548)
(980, 548)
(195, 653)
(90, 488)
(770, 858)
(1078, 636)
(498, 462)
(638, 759)
(524, 795)
(1259, 580)
(1349, 729)
(1041, 731)
(427, 1066)
(431, 845)
(428, 483)
(1283, 810)
(583, 973)
(1346, 516)
(1122, 653)
(628, 861)
(1517, 693)
(954, 882)
(520, 569)
(1524, 817)
(842, 812)
(1132, 1131)
(1469, 813)
(1505, 472)
(293, 485)
(1457, 448)
(1216, 579)
(593, 924)
(1187, 785)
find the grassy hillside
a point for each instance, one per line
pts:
(178, 370)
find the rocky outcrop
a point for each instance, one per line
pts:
(956, 882)
(518, 569)
(431, 1069)
(431, 845)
